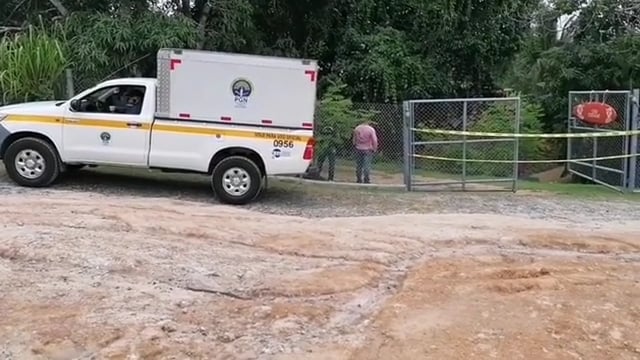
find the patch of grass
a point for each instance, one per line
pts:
(587, 191)
(576, 190)
(573, 190)
(378, 164)
(397, 168)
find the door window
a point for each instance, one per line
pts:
(120, 99)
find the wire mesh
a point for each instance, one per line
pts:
(338, 159)
(610, 172)
(474, 154)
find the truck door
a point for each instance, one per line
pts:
(109, 126)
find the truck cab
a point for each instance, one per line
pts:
(119, 113)
(217, 114)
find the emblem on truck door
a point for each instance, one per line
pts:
(105, 137)
(241, 89)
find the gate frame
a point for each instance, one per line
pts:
(410, 143)
(632, 160)
(629, 142)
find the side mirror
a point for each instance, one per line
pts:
(74, 105)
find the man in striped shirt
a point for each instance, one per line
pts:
(365, 141)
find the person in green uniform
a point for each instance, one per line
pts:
(326, 145)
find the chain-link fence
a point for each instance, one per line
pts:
(80, 83)
(608, 172)
(634, 124)
(341, 157)
(436, 158)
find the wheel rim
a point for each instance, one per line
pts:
(30, 164)
(236, 181)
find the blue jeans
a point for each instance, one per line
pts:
(363, 165)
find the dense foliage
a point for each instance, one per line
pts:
(31, 65)
(337, 117)
(382, 51)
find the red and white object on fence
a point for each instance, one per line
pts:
(595, 113)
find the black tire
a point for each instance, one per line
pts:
(44, 151)
(245, 167)
(264, 184)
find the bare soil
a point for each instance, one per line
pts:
(553, 175)
(93, 275)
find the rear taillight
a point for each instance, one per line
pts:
(308, 150)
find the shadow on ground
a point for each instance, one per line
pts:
(119, 181)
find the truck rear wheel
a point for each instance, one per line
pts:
(236, 180)
(32, 162)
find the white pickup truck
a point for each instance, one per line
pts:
(236, 118)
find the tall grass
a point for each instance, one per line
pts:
(31, 66)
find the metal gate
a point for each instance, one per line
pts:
(633, 167)
(612, 173)
(453, 161)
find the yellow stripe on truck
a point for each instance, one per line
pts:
(210, 131)
(112, 124)
(76, 122)
(33, 119)
(171, 128)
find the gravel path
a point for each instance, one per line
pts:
(317, 201)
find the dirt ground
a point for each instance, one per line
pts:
(346, 174)
(85, 275)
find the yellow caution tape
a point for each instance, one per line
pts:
(524, 161)
(491, 134)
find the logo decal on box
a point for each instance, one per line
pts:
(241, 89)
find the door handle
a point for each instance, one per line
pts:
(134, 124)
(72, 120)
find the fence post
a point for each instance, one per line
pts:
(408, 142)
(464, 145)
(569, 130)
(69, 83)
(516, 145)
(633, 143)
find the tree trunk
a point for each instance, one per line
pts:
(202, 25)
(61, 9)
(186, 8)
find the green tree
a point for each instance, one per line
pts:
(124, 44)
(597, 49)
(336, 111)
(500, 118)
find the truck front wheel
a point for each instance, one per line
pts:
(32, 162)
(236, 180)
